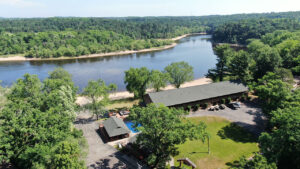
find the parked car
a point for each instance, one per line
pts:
(222, 106)
(234, 105)
(217, 107)
(212, 108)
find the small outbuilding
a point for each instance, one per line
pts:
(114, 129)
(202, 94)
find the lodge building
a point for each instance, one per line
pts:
(210, 94)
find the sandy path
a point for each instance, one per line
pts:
(81, 100)
(22, 58)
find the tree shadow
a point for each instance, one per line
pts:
(236, 133)
(84, 120)
(233, 164)
(115, 161)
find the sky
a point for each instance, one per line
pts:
(121, 8)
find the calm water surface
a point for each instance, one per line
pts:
(196, 50)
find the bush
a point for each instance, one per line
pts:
(205, 105)
(228, 100)
(196, 107)
(223, 101)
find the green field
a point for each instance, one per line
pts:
(228, 143)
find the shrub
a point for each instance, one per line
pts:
(228, 100)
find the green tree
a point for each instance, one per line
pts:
(282, 144)
(179, 73)
(161, 130)
(158, 79)
(240, 66)
(136, 80)
(272, 92)
(34, 121)
(257, 162)
(285, 75)
(66, 156)
(97, 91)
(224, 53)
(267, 59)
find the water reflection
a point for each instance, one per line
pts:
(196, 50)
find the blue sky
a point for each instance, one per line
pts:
(108, 8)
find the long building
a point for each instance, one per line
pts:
(210, 93)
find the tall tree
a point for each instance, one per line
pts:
(161, 130)
(97, 91)
(34, 121)
(282, 144)
(179, 72)
(240, 66)
(136, 80)
(158, 79)
(272, 92)
(223, 52)
(267, 59)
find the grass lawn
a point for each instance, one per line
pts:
(228, 143)
(117, 104)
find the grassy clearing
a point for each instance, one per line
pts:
(228, 143)
(118, 104)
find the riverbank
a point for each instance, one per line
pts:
(81, 100)
(22, 58)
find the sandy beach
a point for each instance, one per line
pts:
(22, 58)
(81, 100)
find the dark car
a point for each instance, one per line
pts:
(234, 105)
(222, 106)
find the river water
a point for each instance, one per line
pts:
(196, 50)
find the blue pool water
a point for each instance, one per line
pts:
(130, 126)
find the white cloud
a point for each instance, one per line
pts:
(20, 3)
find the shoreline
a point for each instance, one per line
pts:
(119, 53)
(82, 100)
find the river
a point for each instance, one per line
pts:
(195, 50)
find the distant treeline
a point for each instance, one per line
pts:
(55, 37)
(71, 43)
(240, 31)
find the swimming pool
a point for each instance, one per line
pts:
(130, 126)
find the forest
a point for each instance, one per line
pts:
(56, 37)
(268, 67)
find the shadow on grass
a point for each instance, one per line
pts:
(234, 164)
(236, 133)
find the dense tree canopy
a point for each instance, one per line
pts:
(179, 73)
(241, 31)
(282, 145)
(223, 52)
(136, 80)
(97, 91)
(161, 130)
(36, 121)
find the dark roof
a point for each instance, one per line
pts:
(197, 93)
(115, 126)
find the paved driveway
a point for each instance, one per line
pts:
(97, 149)
(248, 116)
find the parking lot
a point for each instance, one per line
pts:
(248, 116)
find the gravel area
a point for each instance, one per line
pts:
(101, 155)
